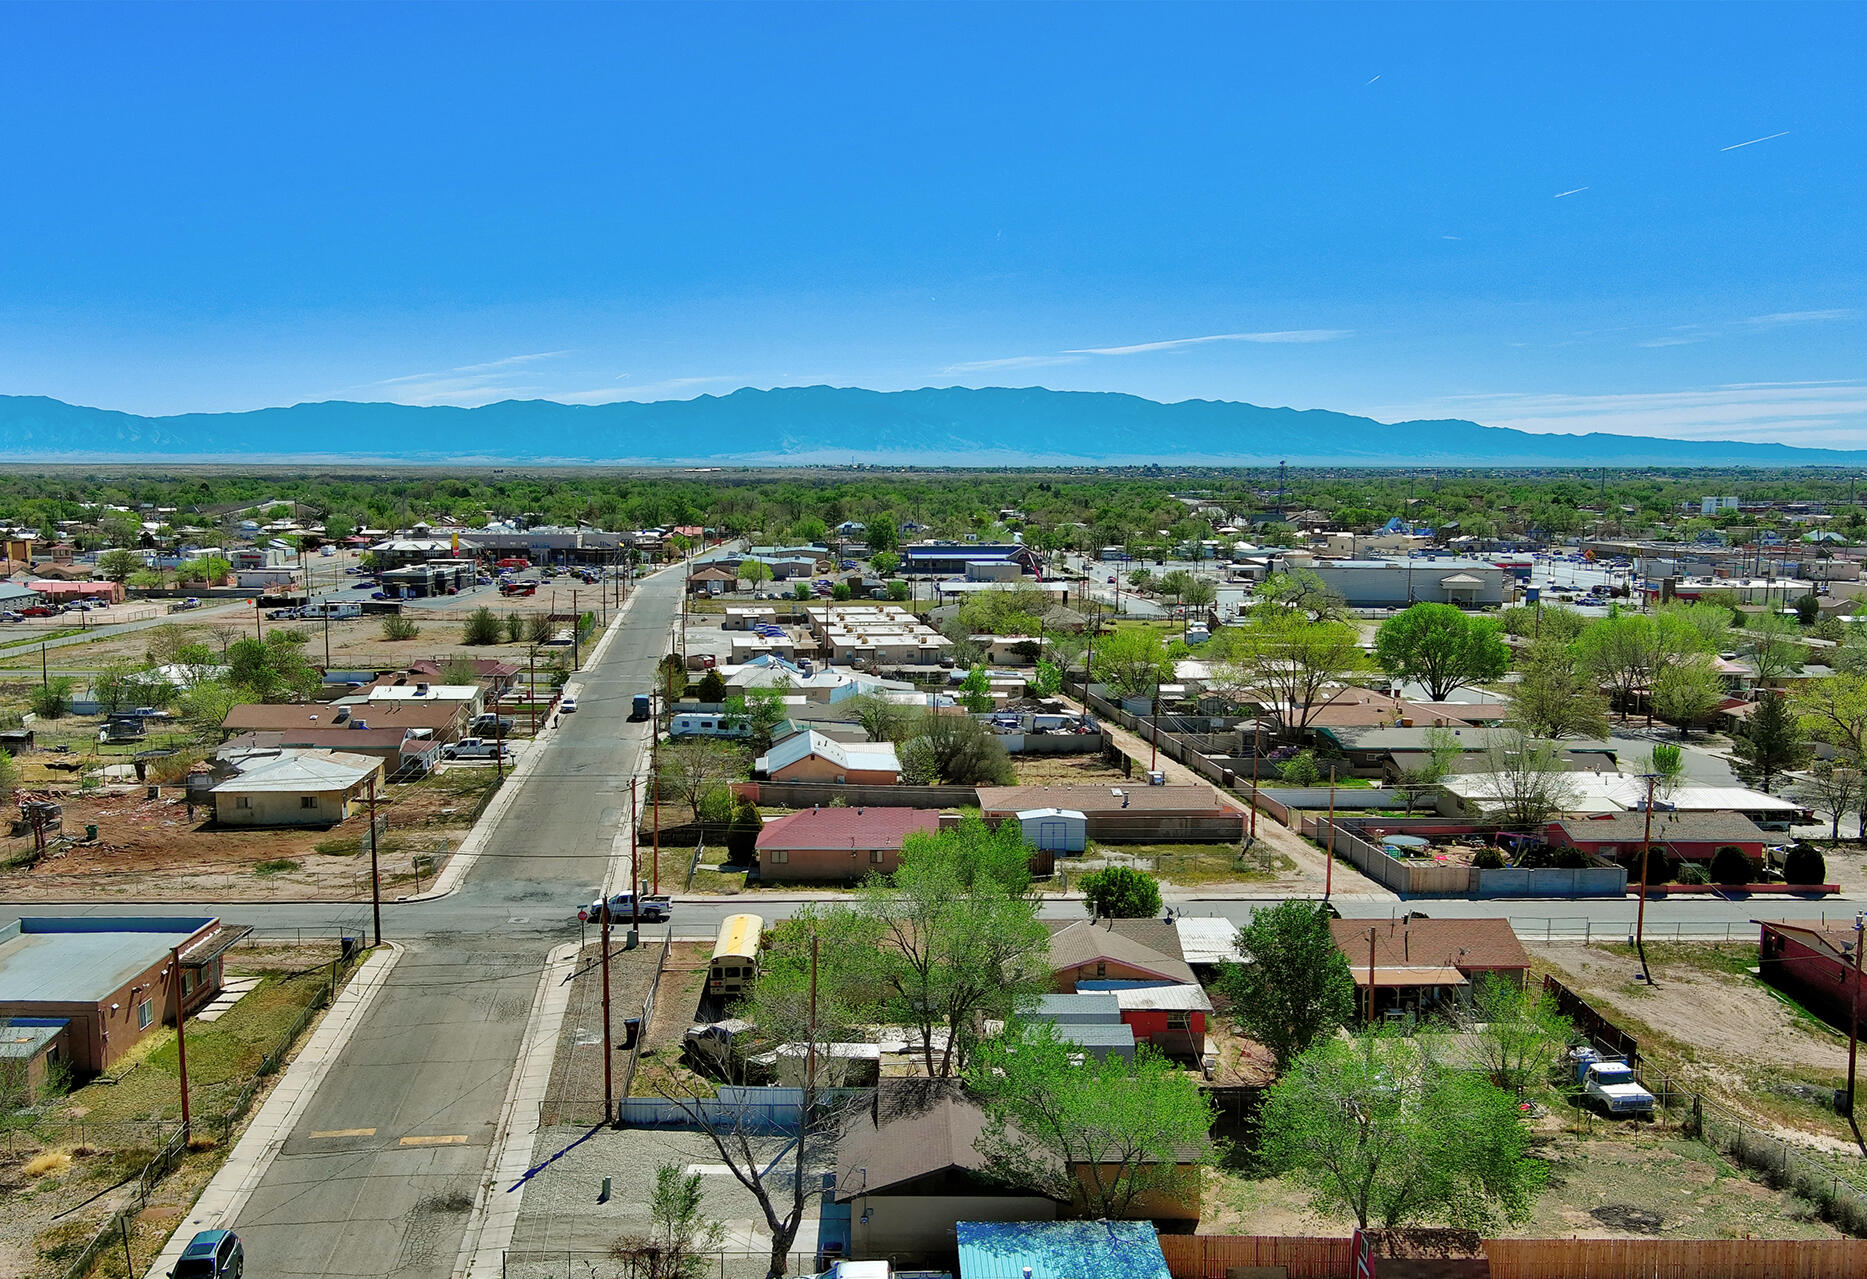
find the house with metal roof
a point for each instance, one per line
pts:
(91, 988)
(295, 788)
(1059, 1250)
(1690, 836)
(810, 756)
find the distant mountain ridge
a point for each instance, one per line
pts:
(817, 425)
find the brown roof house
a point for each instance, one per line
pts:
(1117, 950)
(439, 720)
(838, 844)
(1416, 964)
(295, 788)
(909, 1169)
(1132, 813)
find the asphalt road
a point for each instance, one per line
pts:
(373, 1179)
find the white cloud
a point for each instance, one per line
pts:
(1814, 414)
(469, 384)
(1013, 362)
(1780, 318)
(1278, 337)
(667, 388)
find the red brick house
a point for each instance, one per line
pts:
(1814, 964)
(839, 844)
(1417, 964)
(1687, 836)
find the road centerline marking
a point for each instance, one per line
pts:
(453, 1140)
(344, 1132)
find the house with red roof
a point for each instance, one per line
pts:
(839, 845)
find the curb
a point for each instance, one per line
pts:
(496, 1212)
(464, 857)
(220, 1202)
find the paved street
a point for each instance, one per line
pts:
(376, 1176)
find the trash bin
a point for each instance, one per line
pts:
(90, 830)
(631, 1027)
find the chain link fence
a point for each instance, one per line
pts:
(555, 1264)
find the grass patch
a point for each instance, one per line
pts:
(274, 866)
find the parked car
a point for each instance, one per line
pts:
(567, 705)
(38, 610)
(622, 909)
(379, 595)
(212, 1254)
(190, 602)
(493, 724)
(282, 614)
(11, 617)
(475, 748)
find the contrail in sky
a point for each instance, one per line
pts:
(1577, 191)
(1754, 141)
(1366, 83)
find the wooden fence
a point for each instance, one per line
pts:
(1677, 1258)
(1210, 1256)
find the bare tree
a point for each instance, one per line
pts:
(693, 769)
(1525, 780)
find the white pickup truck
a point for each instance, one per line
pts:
(622, 909)
(475, 748)
(1610, 1084)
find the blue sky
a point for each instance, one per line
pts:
(1545, 217)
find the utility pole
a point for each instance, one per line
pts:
(1328, 849)
(1153, 759)
(257, 634)
(654, 778)
(181, 1035)
(1646, 855)
(531, 692)
(1854, 1020)
(609, 1086)
(499, 744)
(1257, 743)
(375, 877)
(635, 844)
(1371, 936)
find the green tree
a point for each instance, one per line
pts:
(9, 779)
(1417, 783)
(671, 676)
(975, 691)
(515, 628)
(801, 592)
(1120, 892)
(1441, 647)
(881, 719)
(1046, 680)
(1834, 710)
(898, 591)
(1830, 789)
(481, 627)
(688, 770)
(52, 699)
(960, 751)
(710, 688)
(117, 566)
(679, 1233)
(1293, 985)
(1771, 743)
(272, 670)
(1130, 1129)
(1283, 659)
(757, 572)
(1376, 1128)
(960, 937)
(539, 628)
(1300, 590)
(1556, 695)
(884, 563)
(204, 706)
(760, 711)
(1773, 645)
(1133, 663)
(1520, 1037)
(1686, 691)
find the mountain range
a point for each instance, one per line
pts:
(819, 425)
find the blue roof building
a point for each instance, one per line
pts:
(1060, 1250)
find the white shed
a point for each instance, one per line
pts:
(1055, 830)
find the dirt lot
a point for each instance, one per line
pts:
(150, 849)
(575, 1092)
(1066, 770)
(1645, 1185)
(355, 644)
(1713, 1026)
(105, 1132)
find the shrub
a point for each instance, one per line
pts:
(274, 866)
(515, 627)
(742, 837)
(1571, 859)
(538, 628)
(52, 700)
(481, 627)
(1121, 892)
(1693, 873)
(396, 627)
(1804, 865)
(897, 590)
(1729, 865)
(1660, 867)
(1488, 858)
(1301, 769)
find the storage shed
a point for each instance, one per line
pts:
(1054, 830)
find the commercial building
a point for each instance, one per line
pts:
(1467, 583)
(950, 559)
(108, 980)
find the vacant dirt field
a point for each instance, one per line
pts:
(1632, 1185)
(151, 849)
(1711, 1025)
(1066, 770)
